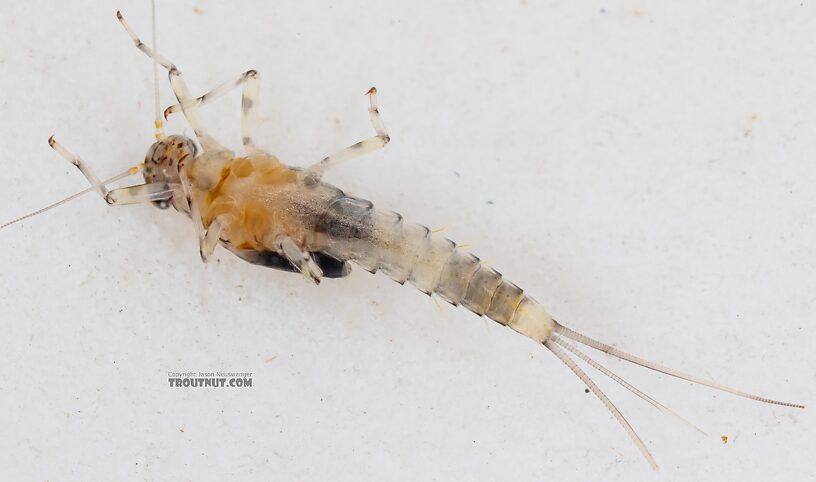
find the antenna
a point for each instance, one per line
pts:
(158, 123)
(131, 171)
(158, 119)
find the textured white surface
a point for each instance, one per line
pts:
(645, 171)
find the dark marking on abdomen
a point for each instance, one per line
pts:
(347, 218)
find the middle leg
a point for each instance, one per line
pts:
(249, 104)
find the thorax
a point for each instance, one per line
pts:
(256, 198)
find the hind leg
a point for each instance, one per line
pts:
(302, 261)
(361, 148)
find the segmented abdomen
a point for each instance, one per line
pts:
(381, 241)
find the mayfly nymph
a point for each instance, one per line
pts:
(288, 218)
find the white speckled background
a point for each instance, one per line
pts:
(645, 170)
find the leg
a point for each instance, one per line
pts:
(361, 148)
(130, 172)
(300, 260)
(195, 214)
(142, 193)
(208, 236)
(188, 105)
(209, 240)
(128, 195)
(249, 104)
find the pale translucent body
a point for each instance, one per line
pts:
(260, 200)
(259, 208)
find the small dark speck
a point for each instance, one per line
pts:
(490, 202)
(603, 10)
(586, 390)
(456, 173)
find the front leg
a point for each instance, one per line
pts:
(208, 239)
(208, 236)
(179, 86)
(142, 193)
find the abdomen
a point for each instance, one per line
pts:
(381, 241)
